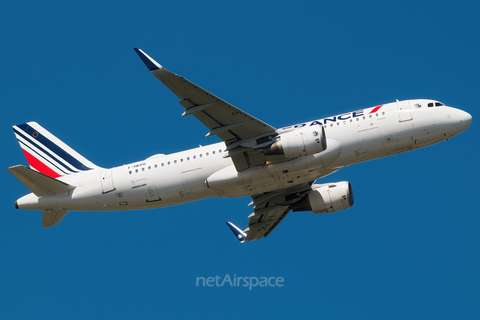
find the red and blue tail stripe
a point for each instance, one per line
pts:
(47, 154)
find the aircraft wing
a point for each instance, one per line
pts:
(270, 209)
(261, 225)
(234, 126)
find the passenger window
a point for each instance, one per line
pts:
(174, 161)
(206, 154)
(188, 158)
(383, 113)
(143, 169)
(213, 152)
(136, 170)
(200, 155)
(149, 167)
(370, 116)
(181, 160)
(168, 162)
(162, 164)
(194, 157)
(331, 125)
(338, 123)
(130, 172)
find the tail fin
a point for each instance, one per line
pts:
(47, 154)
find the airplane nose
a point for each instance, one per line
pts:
(465, 119)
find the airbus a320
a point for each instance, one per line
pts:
(276, 167)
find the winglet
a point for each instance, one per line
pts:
(151, 64)
(237, 232)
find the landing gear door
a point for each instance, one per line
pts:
(404, 112)
(107, 181)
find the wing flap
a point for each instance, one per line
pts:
(271, 208)
(40, 184)
(262, 224)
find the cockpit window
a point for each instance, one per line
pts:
(436, 104)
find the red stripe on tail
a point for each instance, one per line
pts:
(40, 166)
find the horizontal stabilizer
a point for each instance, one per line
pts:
(40, 184)
(237, 232)
(52, 217)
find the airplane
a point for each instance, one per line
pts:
(276, 167)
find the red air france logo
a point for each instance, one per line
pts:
(376, 109)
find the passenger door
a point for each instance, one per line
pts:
(107, 181)
(404, 112)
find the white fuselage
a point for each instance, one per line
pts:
(165, 180)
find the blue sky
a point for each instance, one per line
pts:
(408, 248)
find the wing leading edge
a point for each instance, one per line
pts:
(234, 126)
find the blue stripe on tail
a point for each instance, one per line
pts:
(66, 157)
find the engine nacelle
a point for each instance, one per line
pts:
(300, 142)
(324, 198)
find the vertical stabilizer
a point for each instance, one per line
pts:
(47, 154)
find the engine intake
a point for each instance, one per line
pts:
(299, 143)
(324, 198)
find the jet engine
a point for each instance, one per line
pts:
(324, 198)
(298, 143)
